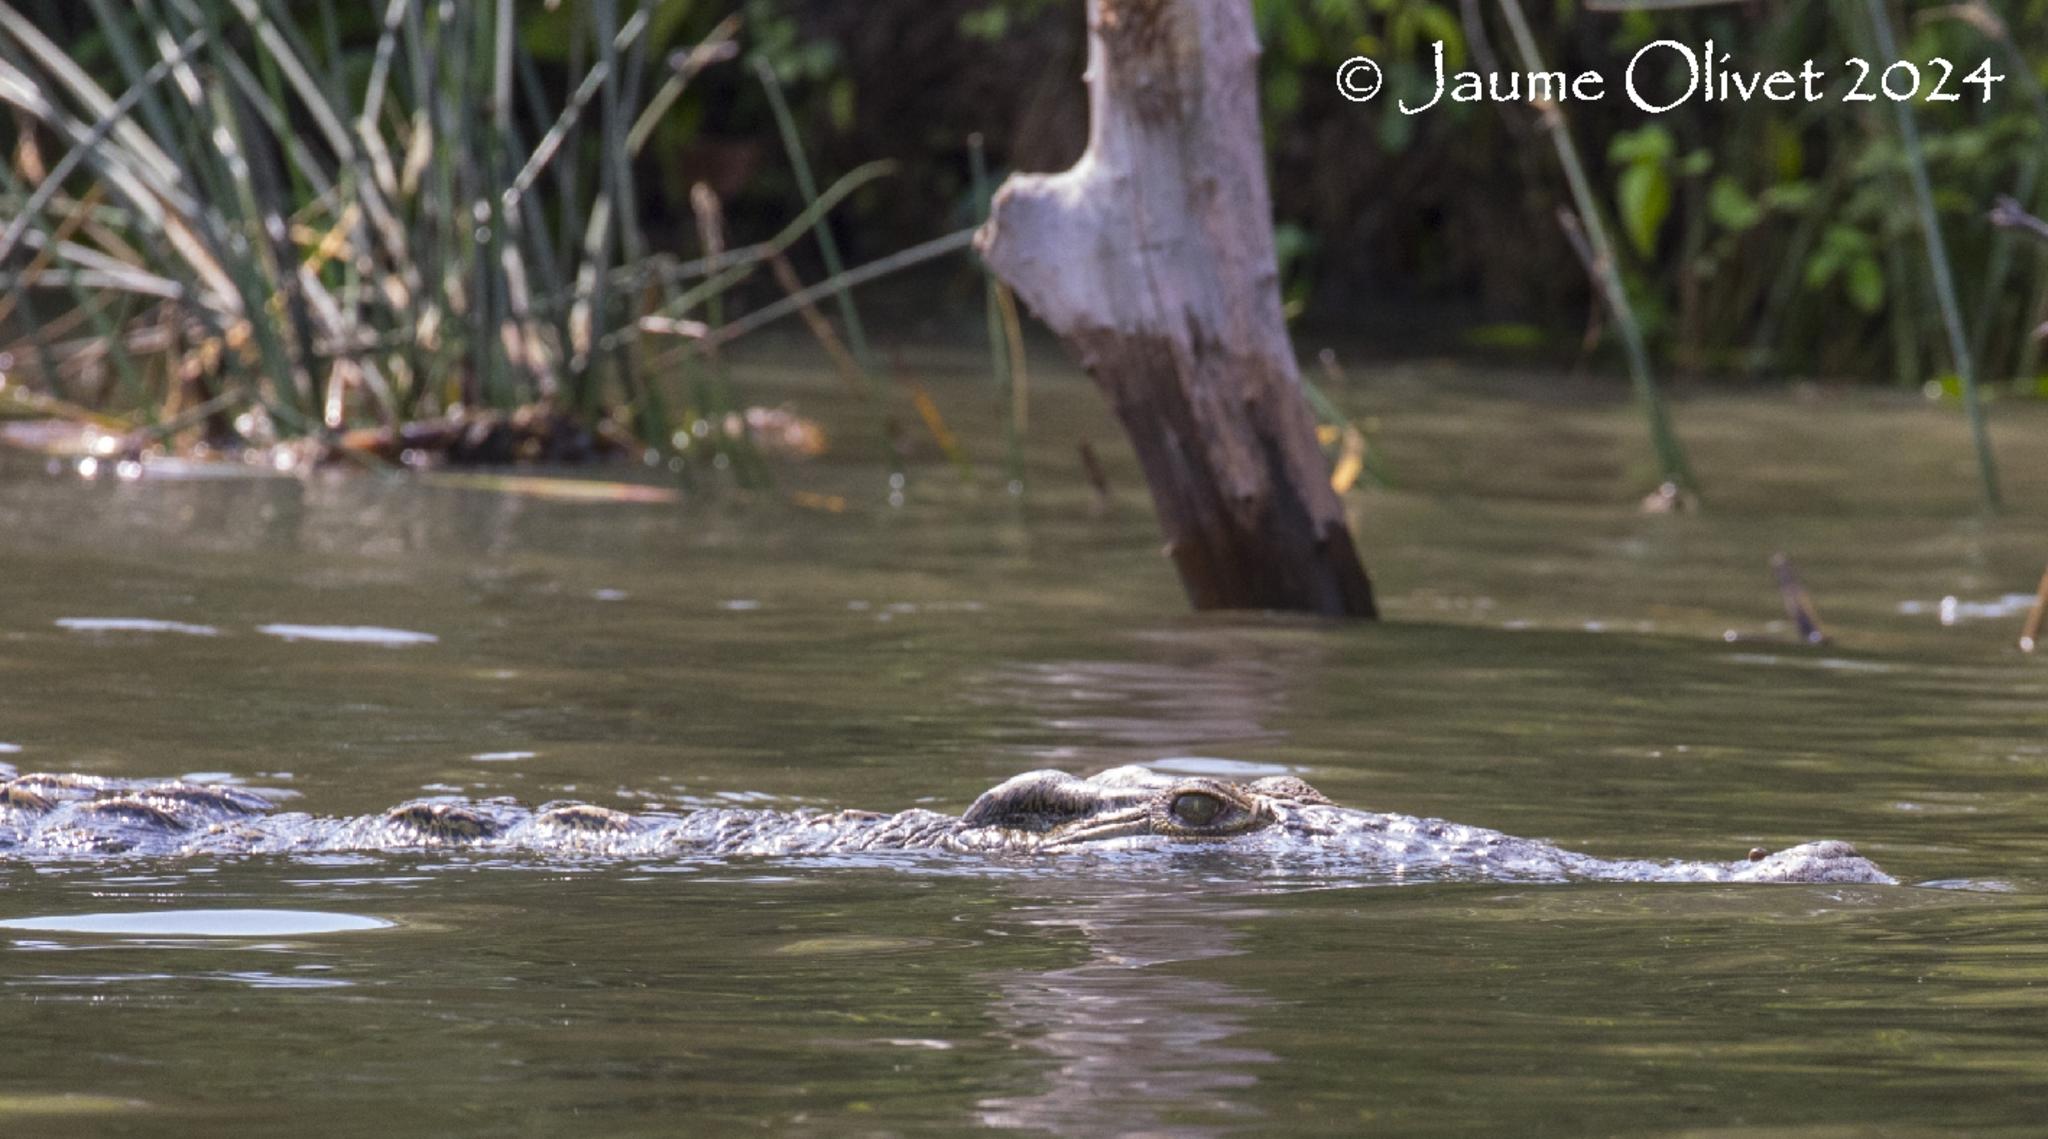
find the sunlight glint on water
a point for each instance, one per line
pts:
(889, 658)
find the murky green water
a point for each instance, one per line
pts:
(1555, 666)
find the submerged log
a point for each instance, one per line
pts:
(1152, 258)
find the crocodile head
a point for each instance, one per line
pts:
(1132, 807)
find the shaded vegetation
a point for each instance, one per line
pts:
(233, 220)
(1760, 238)
(277, 226)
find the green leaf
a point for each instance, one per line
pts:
(1840, 245)
(1791, 197)
(988, 25)
(1298, 39)
(1290, 244)
(1644, 196)
(1437, 23)
(1642, 146)
(839, 98)
(1787, 153)
(1283, 93)
(1731, 206)
(1865, 282)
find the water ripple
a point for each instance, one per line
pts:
(349, 635)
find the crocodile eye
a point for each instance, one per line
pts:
(1196, 809)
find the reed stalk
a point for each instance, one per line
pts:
(835, 268)
(1938, 262)
(828, 245)
(874, 270)
(1002, 344)
(1605, 269)
(411, 252)
(2003, 252)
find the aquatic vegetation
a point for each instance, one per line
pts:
(269, 230)
(253, 221)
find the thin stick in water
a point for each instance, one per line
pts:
(934, 422)
(1020, 372)
(821, 329)
(2007, 213)
(1091, 465)
(1798, 606)
(2030, 633)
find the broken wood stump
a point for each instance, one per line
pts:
(1152, 259)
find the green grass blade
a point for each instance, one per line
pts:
(1938, 263)
(828, 245)
(1606, 269)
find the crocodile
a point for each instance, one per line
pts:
(1039, 813)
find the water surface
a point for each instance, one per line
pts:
(1556, 664)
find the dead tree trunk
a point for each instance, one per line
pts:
(1153, 260)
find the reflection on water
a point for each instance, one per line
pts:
(1217, 767)
(133, 625)
(1189, 690)
(1148, 704)
(1136, 1048)
(349, 635)
(1952, 609)
(719, 651)
(202, 923)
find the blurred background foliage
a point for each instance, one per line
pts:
(1762, 238)
(1759, 240)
